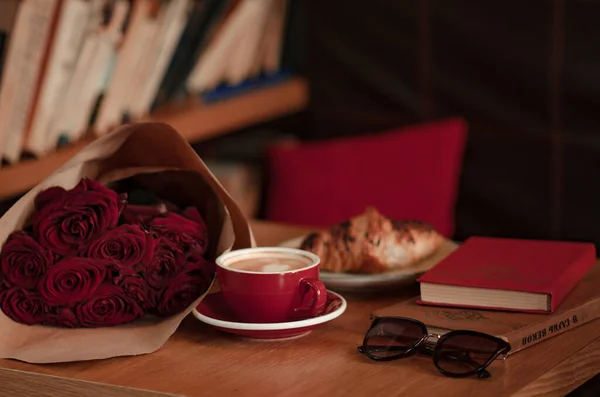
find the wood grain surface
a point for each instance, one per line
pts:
(572, 372)
(20, 383)
(198, 360)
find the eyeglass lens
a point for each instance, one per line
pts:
(392, 337)
(464, 353)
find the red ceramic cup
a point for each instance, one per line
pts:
(276, 292)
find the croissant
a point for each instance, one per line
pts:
(372, 243)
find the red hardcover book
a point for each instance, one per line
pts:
(507, 274)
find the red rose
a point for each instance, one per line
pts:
(187, 230)
(128, 245)
(192, 214)
(141, 214)
(75, 217)
(64, 318)
(90, 185)
(180, 292)
(136, 288)
(24, 261)
(167, 262)
(47, 196)
(23, 306)
(109, 306)
(72, 280)
(203, 267)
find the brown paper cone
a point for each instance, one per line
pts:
(143, 150)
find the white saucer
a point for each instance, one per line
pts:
(214, 311)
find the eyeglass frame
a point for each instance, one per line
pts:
(422, 347)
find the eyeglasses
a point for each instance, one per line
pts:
(456, 354)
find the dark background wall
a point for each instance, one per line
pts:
(525, 76)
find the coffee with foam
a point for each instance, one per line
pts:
(268, 263)
(271, 284)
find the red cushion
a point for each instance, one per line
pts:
(412, 172)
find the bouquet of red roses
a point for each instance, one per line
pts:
(91, 260)
(108, 254)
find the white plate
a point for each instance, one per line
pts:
(382, 281)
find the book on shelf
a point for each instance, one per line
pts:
(23, 68)
(75, 67)
(71, 25)
(204, 17)
(8, 15)
(519, 329)
(507, 274)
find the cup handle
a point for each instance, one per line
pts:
(313, 295)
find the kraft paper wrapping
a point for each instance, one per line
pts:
(160, 159)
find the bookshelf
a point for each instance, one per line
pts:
(193, 120)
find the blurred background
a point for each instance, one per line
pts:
(479, 117)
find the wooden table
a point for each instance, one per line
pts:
(199, 361)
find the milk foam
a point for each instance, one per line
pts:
(264, 264)
(275, 267)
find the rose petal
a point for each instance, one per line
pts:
(23, 261)
(72, 280)
(192, 214)
(140, 213)
(137, 289)
(64, 318)
(23, 306)
(47, 196)
(188, 234)
(109, 306)
(68, 224)
(186, 287)
(168, 260)
(127, 245)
